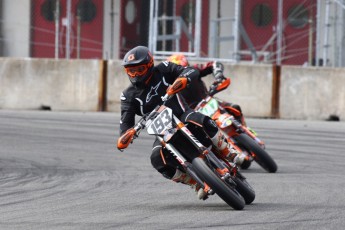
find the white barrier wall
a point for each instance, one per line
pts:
(312, 93)
(117, 81)
(58, 84)
(81, 85)
(251, 88)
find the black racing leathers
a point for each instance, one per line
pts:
(197, 90)
(139, 101)
(197, 86)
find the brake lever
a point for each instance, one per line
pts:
(166, 97)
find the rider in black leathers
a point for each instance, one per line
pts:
(148, 84)
(197, 89)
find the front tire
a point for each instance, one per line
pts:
(231, 197)
(246, 191)
(261, 156)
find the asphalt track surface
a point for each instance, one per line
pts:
(61, 170)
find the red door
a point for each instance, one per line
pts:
(260, 19)
(86, 36)
(135, 21)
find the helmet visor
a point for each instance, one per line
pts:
(138, 70)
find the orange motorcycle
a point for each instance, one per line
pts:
(239, 135)
(211, 173)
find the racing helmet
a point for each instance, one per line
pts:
(138, 64)
(178, 59)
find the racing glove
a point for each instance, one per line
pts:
(218, 69)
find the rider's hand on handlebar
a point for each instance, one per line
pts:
(217, 68)
(178, 85)
(219, 77)
(126, 139)
(219, 84)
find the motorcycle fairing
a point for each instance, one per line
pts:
(224, 120)
(209, 108)
(161, 123)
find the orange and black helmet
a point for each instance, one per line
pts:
(178, 59)
(138, 63)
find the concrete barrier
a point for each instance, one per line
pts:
(54, 84)
(251, 88)
(312, 93)
(95, 85)
(117, 81)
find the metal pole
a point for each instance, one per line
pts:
(68, 29)
(155, 26)
(57, 18)
(151, 26)
(197, 36)
(216, 31)
(335, 38)
(279, 32)
(176, 45)
(214, 39)
(342, 40)
(310, 48)
(78, 32)
(325, 43)
(190, 24)
(318, 33)
(112, 15)
(237, 30)
(164, 23)
(340, 48)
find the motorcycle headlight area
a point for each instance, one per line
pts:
(224, 121)
(161, 123)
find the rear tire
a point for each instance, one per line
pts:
(261, 156)
(231, 197)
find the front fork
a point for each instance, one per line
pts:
(226, 172)
(188, 167)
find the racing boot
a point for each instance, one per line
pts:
(241, 119)
(181, 177)
(228, 150)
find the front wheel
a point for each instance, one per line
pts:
(244, 188)
(231, 197)
(261, 156)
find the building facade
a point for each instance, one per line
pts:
(293, 32)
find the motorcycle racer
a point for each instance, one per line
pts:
(148, 84)
(197, 90)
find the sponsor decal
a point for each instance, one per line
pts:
(153, 92)
(122, 97)
(131, 57)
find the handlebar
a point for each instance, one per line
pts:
(219, 85)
